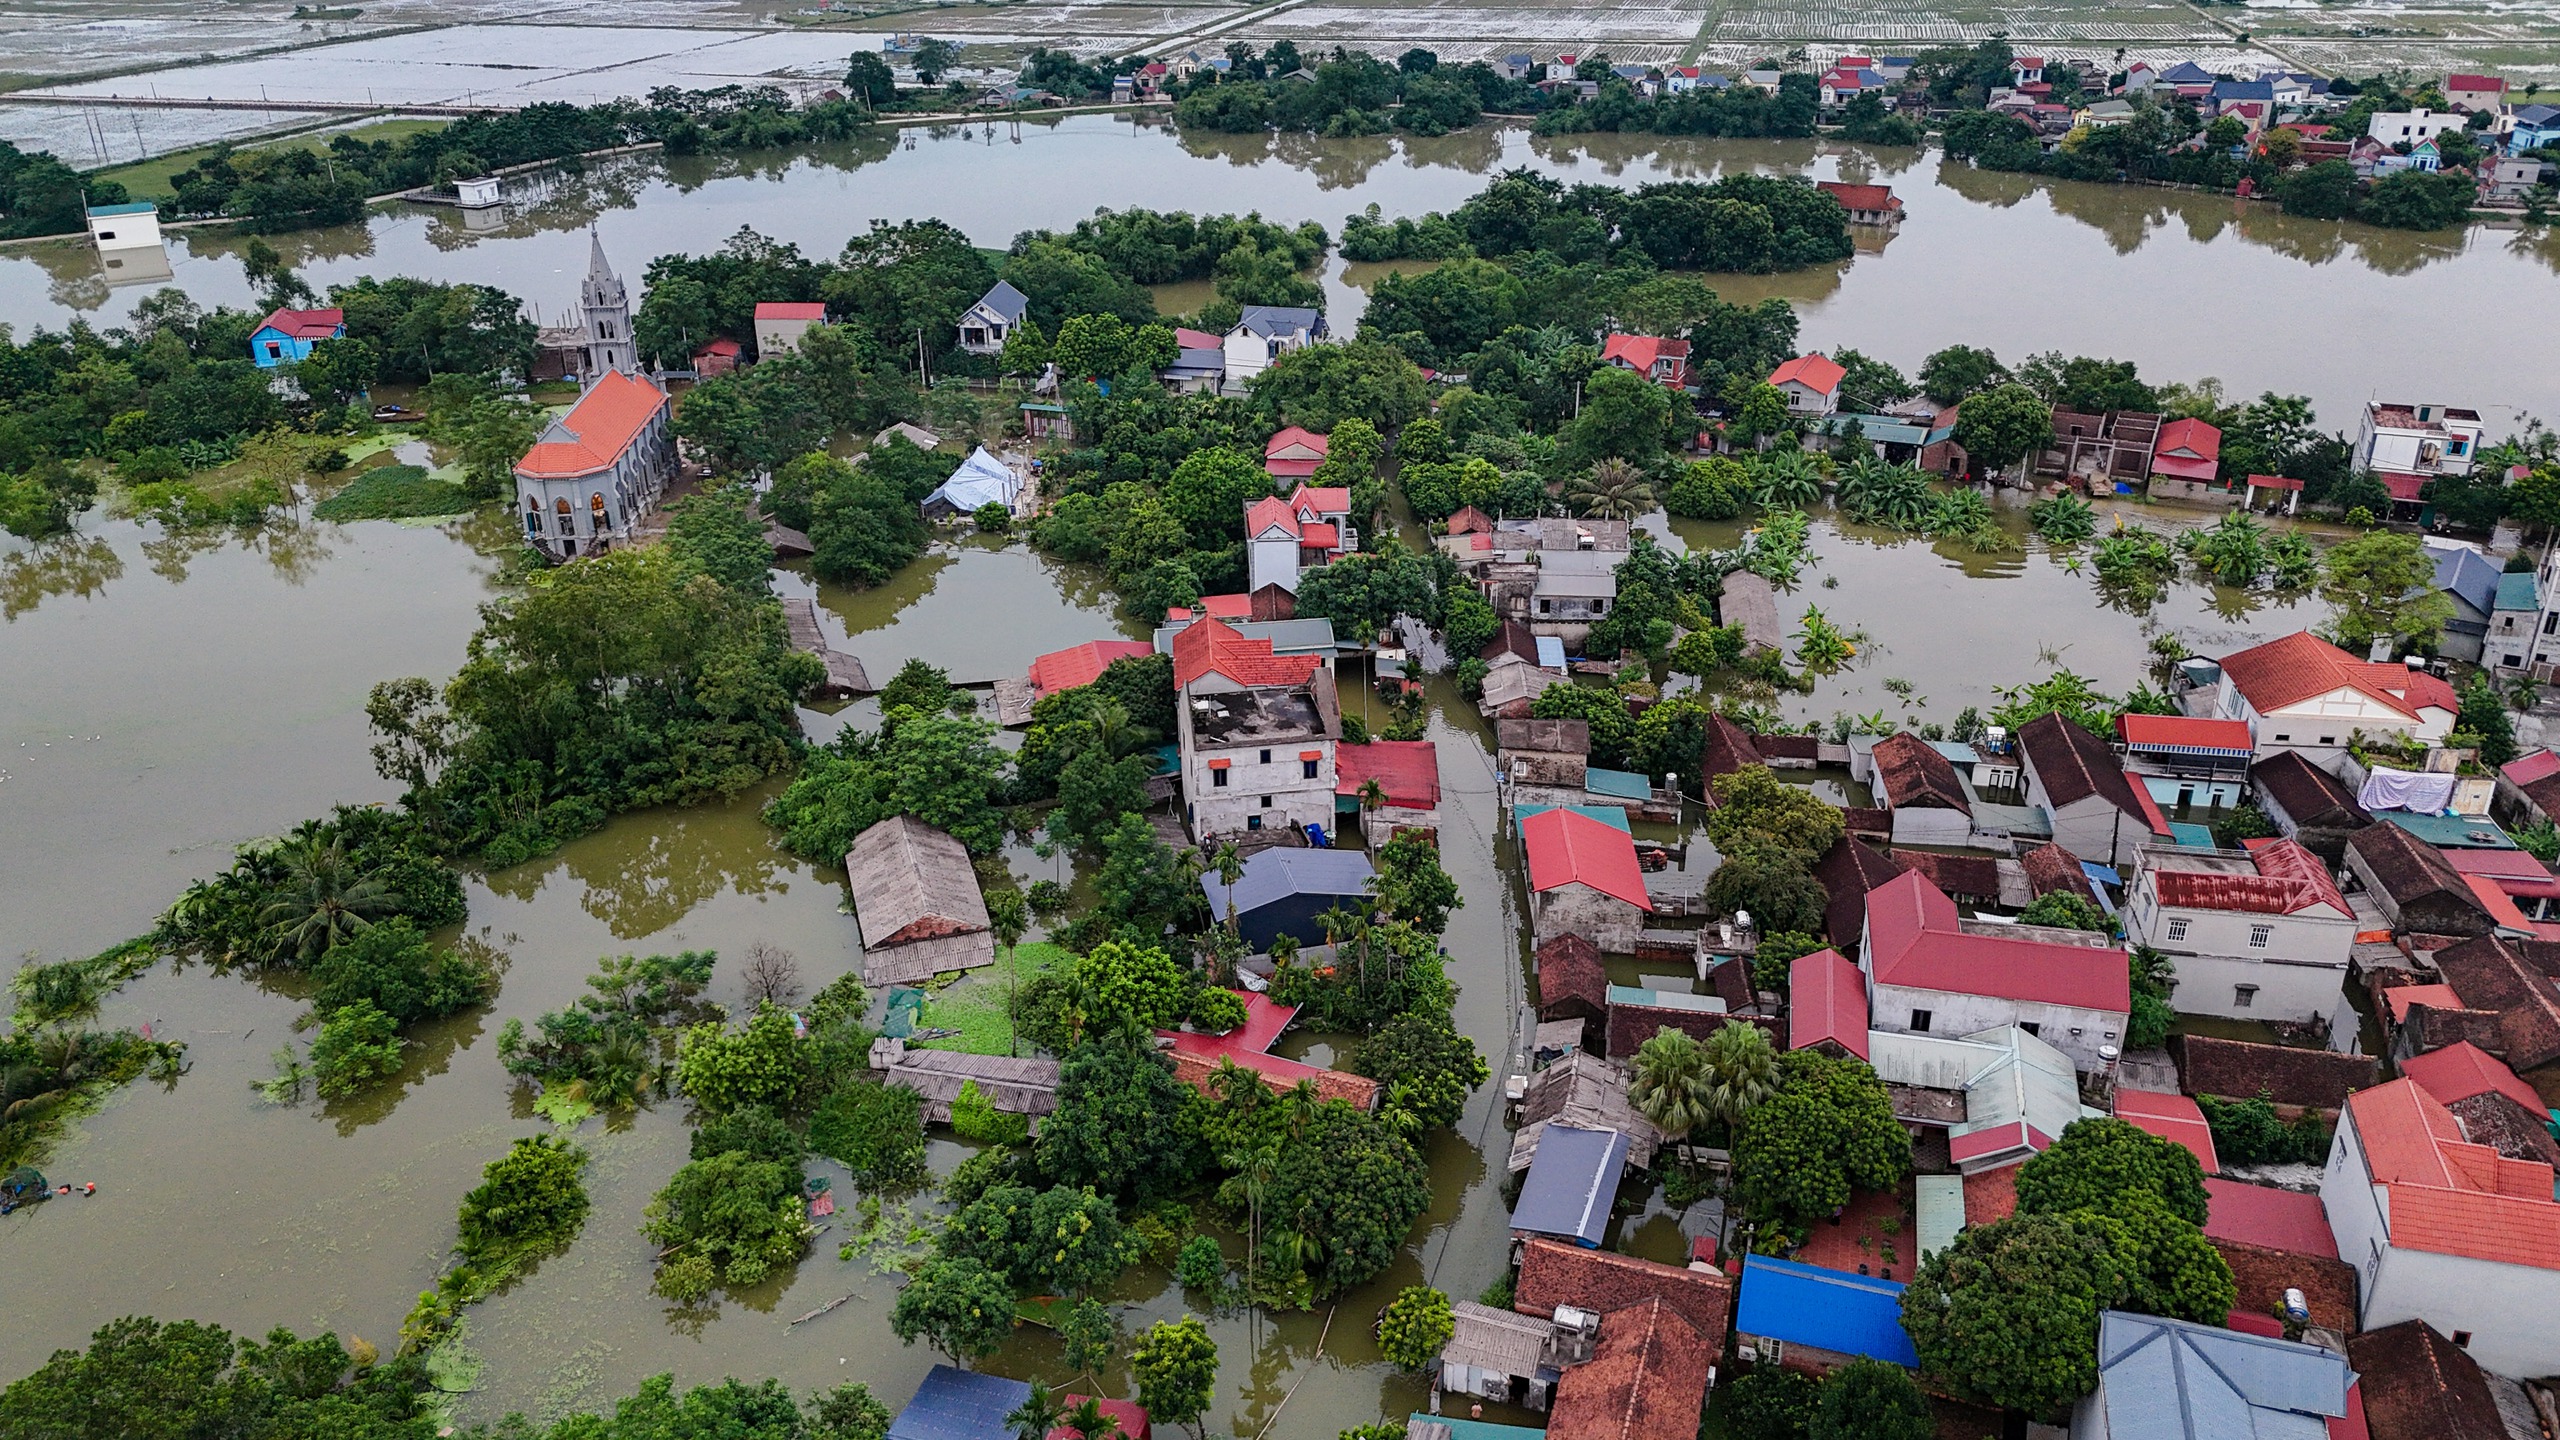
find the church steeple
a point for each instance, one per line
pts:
(608, 309)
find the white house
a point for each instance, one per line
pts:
(2262, 934)
(2445, 1230)
(2303, 693)
(1811, 384)
(1931, 972)
(2098, 812)
(2394, 127)
(2421, 440)
(1255, 730)
(781, 323)
(985, 326)
(125, 227)
(1264, 334)
(1284, 537)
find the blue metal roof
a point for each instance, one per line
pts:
(1617, 782)
(1571, 1184)
(1614, 816)
(2515, 591)
(2450, 832)
(1550, 652)
(1665, 999)
(2470, 576)
(2174, 1380)
(955, 1404)
(1462, 1428)
(138, 207)
(1826, 1309)
(1283, 871)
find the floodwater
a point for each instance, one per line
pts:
(2185, 284)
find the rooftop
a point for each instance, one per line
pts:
(2288, 1075)
(1214, 647)
(1648, 1377)
(2186, 735)
(2448, 1195)
(595, 432)
(1244, 717)
(2418, 1385)
(1081, 665)
(2174, 1380)
(1282, 871)
(2288, 1220)
(2461, 1070)
(1554, 1272)
(1572, 1183)
(2302, 666)
(1408, 770)
(1918, 941)
(2280, 878)
(1824, 1309)
(1827, 1000)
(1567, 848)
(2174, 1118)
(1817, 372)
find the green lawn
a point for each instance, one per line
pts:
(149, 179)
(976, 1005)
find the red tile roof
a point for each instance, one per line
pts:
(2399, 998)
(305, 324)
(2525, 769)
(1314, 501)
(2493, 898)
(2290, 881)
(1131, 1415)
(2461, 1070)
(2187, 450)
(1298, 467)
(2473, 82)
(2449, 1196)
(603, 423)
(1861, 197)
(2288, 1220)
(722, 346)
(2052, 870)
(1211, 646)
(1991, 1196)
(2302, 666)
(790, 310)
(2174, 1118)
(1080, 665)
(1640, 352)
(1270, 513)
(1408, 770)
(1912, 774)
(2183, 732)
(2516, 871)
(1572, 978)
(2513, 978)
(1567, 848)
(1554, 1273)
(1817, 372)
(1827, 1000)
(2418, 1385)
(1647, 1379)
(1917, 942)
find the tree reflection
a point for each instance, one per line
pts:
(69, 565)
(428, 1052)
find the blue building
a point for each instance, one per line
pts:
(1821, 1318)
(288, 336)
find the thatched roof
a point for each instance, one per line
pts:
(918, 899)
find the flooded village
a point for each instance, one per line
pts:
(1151, 770)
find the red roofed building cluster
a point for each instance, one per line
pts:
(1931, 972)
(1584, 879)
(1287, 535)
(2260, 934)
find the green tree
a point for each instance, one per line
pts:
(392, 967)
(1415, 1327)
(1037, 1415)
(1715, 488)
(1612, 729)
(1364, 592)
(2096, 1163)
(358, 1048)
(1624, 415)
(1872, 1400)
(1209, 490)
(1424, 1064)
(729, 1219)
(1741, 1072)
(874, 1131)
(2065, 910)
(1770, 1402)
(762, 1063)
(529, 1200)
(2383, 585)
(1176, 1365)
(324, 900)
(960, 1307)
(1124, 1125)
(1671, 1082)
(1410, 885)
(1137, 988)
(1828, 1131)
(1612, 489)
(2008, 1315)
(1320, 385)
(2484, 713)
(1950, 375)
(2001, 426)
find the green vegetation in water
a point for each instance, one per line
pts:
(394, 492)
(54, 1067)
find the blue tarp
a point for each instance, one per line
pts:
(955, 1404)
(1825, 1309)
(1572, 1184)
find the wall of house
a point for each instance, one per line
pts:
(2090, 828)
(1294, 797)
(1577, 909)
(780, 337)
(2299, 973)
(2199, 492)
(1274, 562)
(2074, 1031)
(2512, 1311)
(2286, 990)
(2164, 790)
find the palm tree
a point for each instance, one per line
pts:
(1037, 1415)
(1742, 1071)
(1255, 1170)
(1008, 915)
(1089, 1420)
(1670, 1082)
(1230, 868)
(1786, 480)
(324, 901)
(1611, 490)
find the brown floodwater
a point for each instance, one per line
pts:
(2186, 284)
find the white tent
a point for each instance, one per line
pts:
(980, 478)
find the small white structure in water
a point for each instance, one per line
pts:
(477, 194)
(125, 227)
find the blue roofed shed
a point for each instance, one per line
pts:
(1571, 1185)
(1826, 1318)
(955, 1404)
(1618, 783)
(1284, 889)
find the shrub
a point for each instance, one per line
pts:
(1216, 1011)
(975, 1117)
(737, 1215)
(752, 1130)
(529, 1200)
(1201, 1265)
(874, 1130)
(1415, 1327)
(358, 1048)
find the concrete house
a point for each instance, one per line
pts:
(2412, 127)
(1263, 335)
(1408, 776)
(1573, 591)
(2303, 693)
(2424, 441)
(1931, 972)
(1811, 384)
(781, 323)
(1866, 204)
(2162, 1379)
(2445, 1230)
(1294, 453)
(2099, 814)
(2475, 93)
(596, 470)
(1666, 361)
(126, 227)
(1583, 879)
(287, 337)
(2255, 934)
(2307, 803)
(2186, 462)
(2002, 1095)
(986, 325)
(1927, 799)
(1255, 732)
(2414, 886)
(1285, 889)
(2182, 762)
(1286, 537)
(2471, 580)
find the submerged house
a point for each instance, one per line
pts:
(916, 896)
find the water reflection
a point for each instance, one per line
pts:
(66, 565)
(643, 874)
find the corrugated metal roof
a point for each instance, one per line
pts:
(1620, 783)
(1613, 816)
(1283, 871)
(2172, 1380)
(1938, 1201)
(1571, 1184)
(1825, 1309)
(956, 1404)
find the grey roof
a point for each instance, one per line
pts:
(1580, 1091)
(956, 1404)
(1284, 871)
(2172, 1380)
(1503, 1341)
(1571, 1184)
(1270, 320)
(2469, 577)
(1006, 301)
(1200, 362)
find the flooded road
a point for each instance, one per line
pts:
(2185, 284)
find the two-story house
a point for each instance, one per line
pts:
(1929, 971)
(2303, 693)
(1285, 537)
(596, 470)
(2405, 446)
(2181, 761)
(2413, 127)
(2469, 93)
(2260, 934)
(986, 325)
(781, 323)
(2533, 127)
(1255, 731)
(1811, 384)
(2098, 813)
(1265, 333)
(1657, 359)
(2444, 1229)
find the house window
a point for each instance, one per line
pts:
(1253, 822)
(2032, 1027)
(2177, 930)
(2243, 996)
(1266, 757)
(1546, 607)
(1217, 779)
(1266, 802)
(2259, 935)
(1920, 1021)
(2281, 739)
(1307, 768)
(2328, 739)
(2462, 1338)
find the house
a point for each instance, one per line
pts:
(1544, 753)
(917, 898)
(1280, 544)
(2303, 693)
(2278, 1240)
(1571, 1185)
(1930, 971)
(781, 323)
(2139, 76)
(1286, 889)
(287, 336)
(2535, 127)
(1131, 1418)
(1255, 730)
(2508, 180)
(2413, 885)
(956, 1404)
(1810, 1318)
(137, 227)
(2470, 580)
(1666, 361)
(2261, 933)
(1015, 1085)
(2105, 114)
(2417, 1384)
(1585, 1092)
(2513, 979)
(980, 480)
(1811, 384)
(1557, 1276)
(1929, 802)
(2182, 762)
(986, 325)
(2026, 70)
(2527, 883)
(1263, 335)
(1200, 1060)
(1583, 879)
(1570, 591)
(2445, 1229)
(2463, 1072)
(1647, 1376)
(2100, 451)
(2412, 127)
(1293, 454)
(1866, 204)
(1573, 984)
(1407, 773)
(2251, 102)
(2529, 787)
(2307, 803)
(1637, 1015)
(2475, 93)
(2002, 1095)
(717, 358)
(2290, 1077)
(1838, 87)
(2186, 461)
(1508, 1358)
(1080, 665)
(2173, 1118)
(596, 470)
(2408, 445)
(1200, 363)
(1827, 1004)
(2163, 1379)
(1514, 67)
(2099, 814)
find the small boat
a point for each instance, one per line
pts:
(396, 415)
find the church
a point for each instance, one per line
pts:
(597, 470)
